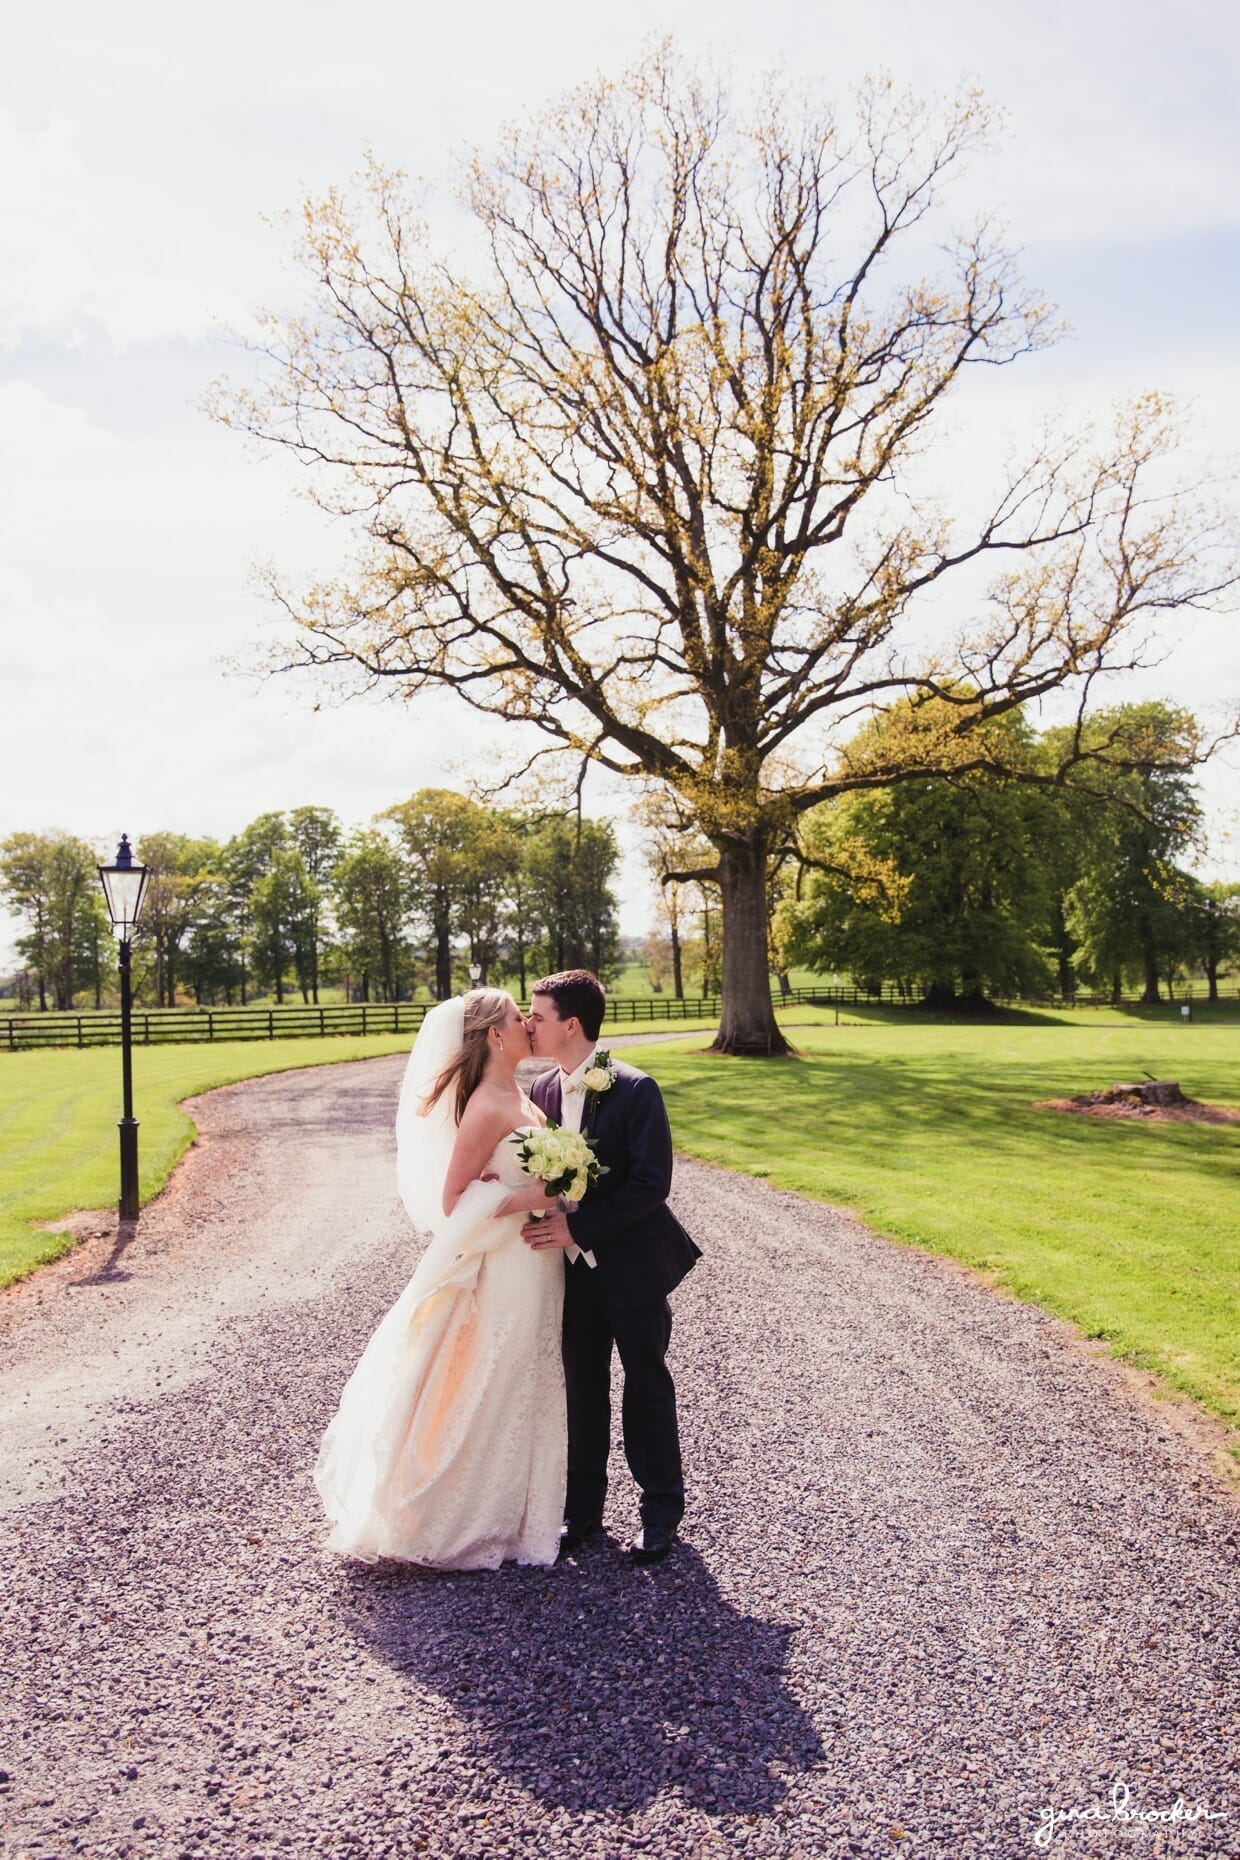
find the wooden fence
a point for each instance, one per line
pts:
(162, 1026)
(165, 1026)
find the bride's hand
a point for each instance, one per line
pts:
(531, 1200)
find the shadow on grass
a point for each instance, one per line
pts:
(890, 1107)
(909, 1014)
(598, 1686)
(916, 1014)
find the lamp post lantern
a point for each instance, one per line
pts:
(475, 971)
(124, 886)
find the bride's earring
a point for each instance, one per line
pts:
(500, 1038)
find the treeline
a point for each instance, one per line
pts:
(980, 886)
(434, 890)
(974, 887)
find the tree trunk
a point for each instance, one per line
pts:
(972, 994)
(443, 960)
(1149, 962)
(389, 966)
(1117, 988)
(747, 1024)
(678, 979)
(1063, 953)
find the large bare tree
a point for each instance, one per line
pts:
(640, 469)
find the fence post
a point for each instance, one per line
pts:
(271, 1023)
(363, 1017)
(322, 1027)
(210, 1025)
(79, 1028)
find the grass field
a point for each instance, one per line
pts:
(928, 1128)
(1132, 1230)
(58, 1113)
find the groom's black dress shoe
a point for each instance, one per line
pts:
(652, 1543)
(574, 1534)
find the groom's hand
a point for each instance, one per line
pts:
(552, 1230)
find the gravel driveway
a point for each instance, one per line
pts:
(938, 1573)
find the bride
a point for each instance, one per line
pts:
(448, 1448)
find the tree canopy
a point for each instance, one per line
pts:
(648, 477)
(985, 885)
(433, 889)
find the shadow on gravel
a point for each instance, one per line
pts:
(599, 1686)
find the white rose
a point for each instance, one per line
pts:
(540, 1158)
(555, 1151)
(598, 1078)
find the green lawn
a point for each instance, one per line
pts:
(634, 979)
(58, 1113)
(927, 1128)
(929, 1131)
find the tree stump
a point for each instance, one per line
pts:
(1145, 1091)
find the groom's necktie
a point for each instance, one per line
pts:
(572, 1110)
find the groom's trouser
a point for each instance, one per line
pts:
(648, 1409)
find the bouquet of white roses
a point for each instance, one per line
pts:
(562, 1159)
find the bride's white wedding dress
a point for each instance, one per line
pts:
(449, 1446)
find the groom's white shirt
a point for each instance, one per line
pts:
(572, 1110)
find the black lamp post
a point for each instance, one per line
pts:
(124, 887)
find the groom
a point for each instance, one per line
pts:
(626, 1251)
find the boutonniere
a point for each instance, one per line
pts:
(602, 1074)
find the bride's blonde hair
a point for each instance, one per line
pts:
(484, 1008)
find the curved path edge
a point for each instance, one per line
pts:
(103, 1240)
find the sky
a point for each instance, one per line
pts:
(146, 152)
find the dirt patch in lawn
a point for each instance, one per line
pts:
(1109, 1104)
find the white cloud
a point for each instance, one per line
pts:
(125, 590)
(141, 143)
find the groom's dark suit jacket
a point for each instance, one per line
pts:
(641, 1248)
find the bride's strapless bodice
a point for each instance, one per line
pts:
(504, 1162)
